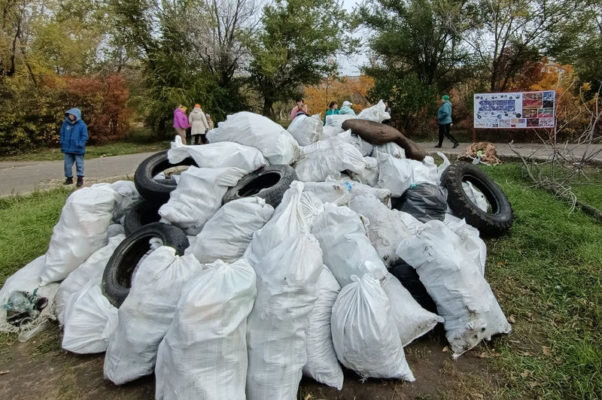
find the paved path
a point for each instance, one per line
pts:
(20, 177)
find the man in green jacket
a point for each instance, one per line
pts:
(444, 120)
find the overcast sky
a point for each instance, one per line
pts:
(350, 66)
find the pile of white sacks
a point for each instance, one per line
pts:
(265, 295)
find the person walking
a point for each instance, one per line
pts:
(198, 125)
(209, 121)
(299, 109)
(346, 109)
(180, 122)
(444, 119)
(333, 109)
(73, 137)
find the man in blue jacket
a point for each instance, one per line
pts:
(74, 135)
(444, 120)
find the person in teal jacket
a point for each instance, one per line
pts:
(73, 138)
(346, 109)
(444, 119)
(333, 109)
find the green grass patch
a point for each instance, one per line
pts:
(92, 151)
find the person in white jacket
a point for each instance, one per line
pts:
(198, 125)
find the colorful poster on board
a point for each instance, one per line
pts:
(515, 110)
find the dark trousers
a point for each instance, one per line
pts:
(444, 131)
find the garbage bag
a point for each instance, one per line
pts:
(147, 313)
(398, 175)
(322, 364)
(274, 142)
(81, 230)
(198, 196)
(369, 174)
(286, 280)
(365, 337)
(328, 158)
(204, 352)
(476, 196)
(126, 195)
(217, 155)
(306, 130)
(336, 121)
(375, 113)
(347, 249)
(340, 192)
(411, 319)
(90, 320)
(424, 201)
(472, 244)
(386, 228)
(228, 233)
(454, 281)
(390, 148)
(27, 279)
(91, 270)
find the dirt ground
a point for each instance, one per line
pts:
(39, 369)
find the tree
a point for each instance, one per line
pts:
(295, 46)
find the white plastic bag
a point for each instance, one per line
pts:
(328, 158)
(369, 174)
(347, 249)
(364, 147)
(390, 148)
(336, 120)
(454, 281)
(386, 228)
(90, 320)
(274, 142)
(398, 175)
(364, 335)
(27, 279)
(217, 155)
(81, 230)
(146, 314)
(126, 195)
(198, 196)
(276, 335)
(228, 233)
(339, 192)
(476, 196)
(375, 113)
(472, 244)
(204, 353)
(322, 364)
(411, 319)
(330, 131)
(306, 130)
(91, 270)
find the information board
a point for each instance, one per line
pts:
(516, 110)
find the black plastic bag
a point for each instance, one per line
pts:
(423, 201)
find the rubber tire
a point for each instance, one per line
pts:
(271, 191)
(141, 214)
(410, 280)
(490, 224)
(116, 280)
(156, 190)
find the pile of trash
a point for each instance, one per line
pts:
(229, 270)
(481, 152)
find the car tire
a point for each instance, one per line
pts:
(117, 277)
(269, 183)
(410, 280)
(142, 213)
(490, 224)
(156, 190)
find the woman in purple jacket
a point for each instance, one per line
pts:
(180, 122)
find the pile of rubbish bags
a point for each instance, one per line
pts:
(273, 254)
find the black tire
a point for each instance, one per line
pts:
(269, 183)
(116, 280)
(410, 280)
(156, 190)
(142, 213)
(490, 224)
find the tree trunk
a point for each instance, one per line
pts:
(268, 107)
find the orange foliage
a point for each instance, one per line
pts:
(354, 89)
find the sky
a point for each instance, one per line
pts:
(350, 66)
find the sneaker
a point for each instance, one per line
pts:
(68, 181)
(80, 181)
(456, 145)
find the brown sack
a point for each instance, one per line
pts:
(377, 133)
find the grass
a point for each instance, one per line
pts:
(546, 274)
(92, 151)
